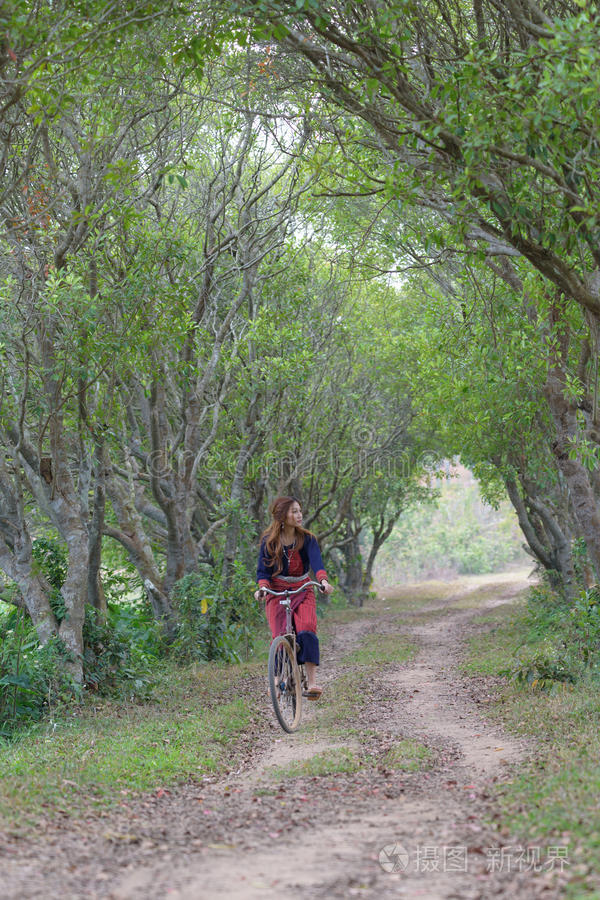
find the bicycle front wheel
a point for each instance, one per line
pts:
(285, 684)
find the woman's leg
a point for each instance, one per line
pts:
(305, 622)
(274, 617)
(308, 653)
(311, 674)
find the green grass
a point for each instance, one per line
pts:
(400, 600)
(332, 616)
(92, 763)
(382, 649)
(405, 756)
(94, 755)
(413, 596)
(554, 799)
(344, 699)
(491, 651)
(475, 599)
(335, 761)
(408, 756)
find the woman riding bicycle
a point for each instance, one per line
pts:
(287, 553)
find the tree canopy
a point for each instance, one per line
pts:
(273, 248)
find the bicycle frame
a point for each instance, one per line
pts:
(288, 682)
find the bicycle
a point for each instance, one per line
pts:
(287, 678)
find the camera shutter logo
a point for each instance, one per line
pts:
(393, 858)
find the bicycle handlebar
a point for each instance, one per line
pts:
(291, 593)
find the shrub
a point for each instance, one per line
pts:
(119, 652)
(585, 627)
(32, 677)
(51, 557)
(546, 668)
(566, 639)
(213, 624)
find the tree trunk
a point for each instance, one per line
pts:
(16, 556)
(74, 594)
(577, 477)
(51, 484)
(232, 531)
(561, 547)
(96, 595)
(17, 563)
(132, 536)
(379, 539)
(537, 548)
(352, 583)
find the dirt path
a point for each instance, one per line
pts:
(371, 832)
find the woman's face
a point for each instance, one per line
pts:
(294, 515)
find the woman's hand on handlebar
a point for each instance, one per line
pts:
(260, 594)
(326, 587)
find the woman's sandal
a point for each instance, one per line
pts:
(314, 693)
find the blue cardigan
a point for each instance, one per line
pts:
(310, 554)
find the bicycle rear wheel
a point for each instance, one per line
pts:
(285, 684)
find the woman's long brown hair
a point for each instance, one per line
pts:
(272, 535)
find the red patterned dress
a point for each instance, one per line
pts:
(295, 572)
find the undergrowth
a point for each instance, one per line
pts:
(547, 653)
(122, 649)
